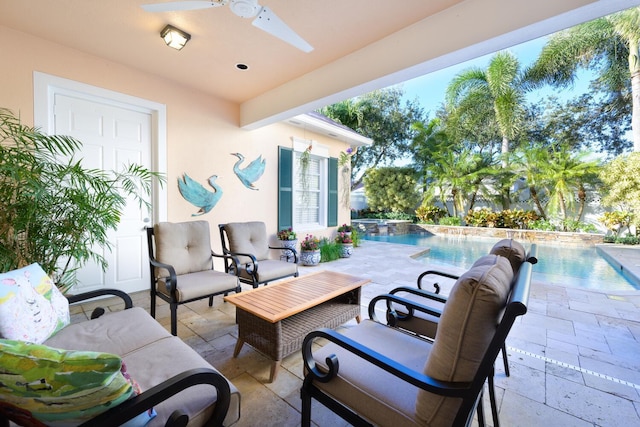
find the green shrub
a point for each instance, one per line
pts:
(626, 240)
(542, 224)
(577, 226)
(430, 213)
(355, 237)
(329, 250)
(450, 220)
(480, 217)
(615, 221)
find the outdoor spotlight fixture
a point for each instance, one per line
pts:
(174, 37)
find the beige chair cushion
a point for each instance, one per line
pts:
(512, 250)
(248, 238)
(269, 269)
(195, 285)
(185, 245)
(151, 355)
(469, 317)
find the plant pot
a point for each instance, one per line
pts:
(290, 244)
(346, 249)
(310, 258)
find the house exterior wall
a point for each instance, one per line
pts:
(202, 130)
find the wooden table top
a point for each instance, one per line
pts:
(280, 300)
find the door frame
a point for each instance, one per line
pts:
(46, 86)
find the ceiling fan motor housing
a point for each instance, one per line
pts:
(245, 8)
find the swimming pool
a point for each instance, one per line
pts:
(571, 266)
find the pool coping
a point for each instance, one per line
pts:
(624, 258)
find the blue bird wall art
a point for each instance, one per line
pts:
(194, 193)
(251, 173)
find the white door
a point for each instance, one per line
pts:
(112, 137)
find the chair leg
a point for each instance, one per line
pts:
(306, 408)
(505, 360)
(492, 400)
(153, 304)
(211, 301)
(480, 411)
(174, 319)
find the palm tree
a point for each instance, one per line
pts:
(608, 45)
(567, 174)
(501, 87)
(529, 163)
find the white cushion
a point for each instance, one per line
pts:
(31, 306)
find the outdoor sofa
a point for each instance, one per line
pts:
(170, 380)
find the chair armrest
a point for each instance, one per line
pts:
(172, 279)
(410, 306)
(249, 266)
(443, 388)
(234, 260)
(292, 250)
(128, 303)
(161, 392)
(421, 292)
(437, 273)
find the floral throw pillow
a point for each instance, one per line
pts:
(31, 306)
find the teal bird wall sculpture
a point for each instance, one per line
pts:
(197, 195)
(251, 173)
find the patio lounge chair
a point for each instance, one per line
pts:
(374, 374)
(426, 323)
(181, 262)
(248, 243)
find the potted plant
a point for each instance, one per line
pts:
(345, 228)
(57, 212)
(288, 239)
(346, 244)
(310, 250)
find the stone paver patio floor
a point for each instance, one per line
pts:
(574, 357)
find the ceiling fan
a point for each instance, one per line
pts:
(266, 20)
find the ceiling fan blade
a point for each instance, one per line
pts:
(182, 5)
(269, 22)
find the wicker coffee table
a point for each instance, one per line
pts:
(275, 319)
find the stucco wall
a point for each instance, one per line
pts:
(202, 130)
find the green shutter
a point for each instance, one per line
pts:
(332, 213)
(285, 188)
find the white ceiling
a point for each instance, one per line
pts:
(359, 45)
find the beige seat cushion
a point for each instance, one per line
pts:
(151, 355)
(269, 269)
(467, 325)
(512, 250)
(248, 238)
(376, 395)
(195, 285)
(185, 245)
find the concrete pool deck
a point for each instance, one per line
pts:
(626, 259)
(574, 357)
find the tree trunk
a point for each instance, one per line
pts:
(505, 151)
(534, 195)
(563, 212)
(634, 69)
(582, 198)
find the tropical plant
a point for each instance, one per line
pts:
(56, 212)
(500, 87)
(430, 213)
(567, 174)
(608, 45)
(621, 178)
(616, 221)
(310, 243)
(287, 234)
(355, 237)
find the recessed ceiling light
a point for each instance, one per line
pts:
(242, 66)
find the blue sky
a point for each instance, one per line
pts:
(429, 90)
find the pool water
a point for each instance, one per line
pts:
(564, 265)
